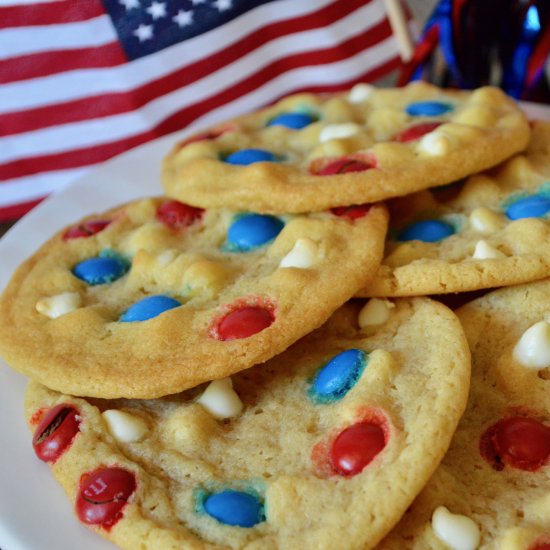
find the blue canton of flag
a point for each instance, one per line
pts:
(147, 27)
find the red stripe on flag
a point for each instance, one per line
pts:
(75, 158)
(10, 213)
(182, 118)
(112, 104)
(49, 63)
(52, 13)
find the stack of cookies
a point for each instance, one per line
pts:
(253, 362)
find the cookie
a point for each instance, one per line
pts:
(492, 489)
(491, 231)
(322, 447)
(310, 152)
(156, 296)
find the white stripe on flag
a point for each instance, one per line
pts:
(84, 83)
(87, 133)
(21, 190)
(82, 34)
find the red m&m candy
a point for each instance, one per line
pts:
(343, 166)
(352, 212)
(86, 229)
(417, 131)
(177, 215)
(244, 322)
(519, 442)
(542, 543)
(356, 447)
(55, 432)
(103, 494)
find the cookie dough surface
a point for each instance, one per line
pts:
(490, 231)
(276, 434)
(310, 152)
(497, 470)
(241, 288)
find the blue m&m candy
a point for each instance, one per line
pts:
(244, 157)
(428, 108)
(294, 121)
(535, 206)
(338, 376)
(235, 508)
(251, 231)
(149, 307)
(429, 231)
(105, 268)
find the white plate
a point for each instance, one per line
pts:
(35, 514)
(34, 511)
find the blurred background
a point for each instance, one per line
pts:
(421, 9)
(469, 43)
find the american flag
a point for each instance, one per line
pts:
(84, 80)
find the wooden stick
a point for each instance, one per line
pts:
(400, 28)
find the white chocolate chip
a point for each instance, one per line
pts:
(485, 221)
(455, 530)
(435, 144)
(123, 426)
(375, 312)
(360, 92)
(56, 306)
(338, 131)
(303, 255)
(166, 257)
(220, 399)
(533, 348)
(484, 251)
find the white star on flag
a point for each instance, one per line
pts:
(157, 10)
(197, 2)
(129, 4)
(183, 18)
(223, 5)
(144, 32)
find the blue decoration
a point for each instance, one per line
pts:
(105, 268)
(244, 157)
(251, 231)
(338, 376)
(294, 121)
(439, 29)
(429, 231)
(534, 206)
(234, 508)
(516, 72)
(149, 307)
(428, 108)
